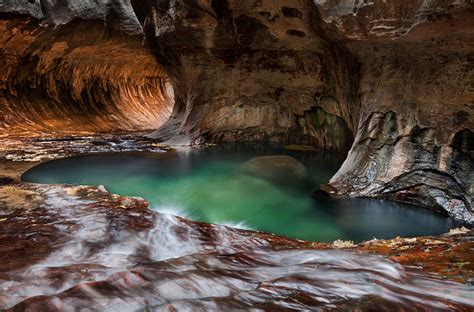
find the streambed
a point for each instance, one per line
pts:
(81, 248)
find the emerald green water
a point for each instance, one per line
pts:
(208, 185)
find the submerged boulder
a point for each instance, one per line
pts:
(279, 169)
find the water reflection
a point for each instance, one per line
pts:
(208, 185)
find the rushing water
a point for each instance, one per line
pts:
(208, 185)
(76, 253)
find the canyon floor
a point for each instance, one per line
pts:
(71, 241)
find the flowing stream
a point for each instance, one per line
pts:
(81, 248)
(77, 253)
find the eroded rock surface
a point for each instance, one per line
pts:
(415, 136)
(397, 75)
(117, 14)
(39, 149)
(79, 77)
(392, 77)
(362, 19)
(254, 71)
(86, 248)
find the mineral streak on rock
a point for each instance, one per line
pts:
(391, 78)
(254, 71)
(414, 141)
(362, 19)
(39, 149)
(116, 13)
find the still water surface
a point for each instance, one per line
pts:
(209, 185)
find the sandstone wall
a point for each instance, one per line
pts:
(415, 140)
(393, 79)
(254, 71)
(78, 77)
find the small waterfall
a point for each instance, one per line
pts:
(127, 259)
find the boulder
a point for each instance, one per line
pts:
(279, 169)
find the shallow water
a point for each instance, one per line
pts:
(77, 254)
(208, 185)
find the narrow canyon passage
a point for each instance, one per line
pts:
(236, 155)
(400, 100)
(301, 73)
(78, 78)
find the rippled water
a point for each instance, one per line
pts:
(208, 185)
(76, 253)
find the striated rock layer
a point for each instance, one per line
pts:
(415, 139)
(254, 70)
(391, 78)
(79, 77)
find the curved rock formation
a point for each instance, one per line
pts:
(393, 70)
(415, 137)
(392, 77)
(83, 76)
(254, 70)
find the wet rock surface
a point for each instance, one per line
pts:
(42, 148)
(87, 248)
(404, 75)
(392, 77)
(414, 141)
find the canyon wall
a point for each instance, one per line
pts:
(73, 70)
(415, 140)
(390, 80)
(254, 71)
(397, 74)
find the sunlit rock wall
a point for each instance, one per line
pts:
(391, 78)
(74, 70)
